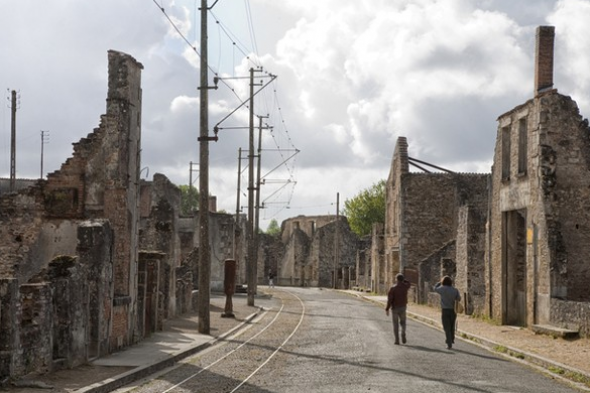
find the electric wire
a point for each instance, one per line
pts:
(237, 44)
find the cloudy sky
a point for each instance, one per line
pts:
(352, 76)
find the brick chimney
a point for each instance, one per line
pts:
(213, 204)
(544, 58)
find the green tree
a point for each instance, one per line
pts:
(366, 208)
(273, 228)
(189, 200)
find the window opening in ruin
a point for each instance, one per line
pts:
(448, 267)
(27, 312)
(313, 227)
(295, 224)
(522, 146)
(506, 153)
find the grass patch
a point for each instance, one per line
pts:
(501, 349)
(506, 351)
(571, 375)
(486, 319)
(577, 377)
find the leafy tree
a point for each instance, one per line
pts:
(189, 200)
(273, 228)
(366, 209)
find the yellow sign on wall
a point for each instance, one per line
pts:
(529, 235)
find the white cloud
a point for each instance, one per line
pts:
(572, 47)
(352, 77)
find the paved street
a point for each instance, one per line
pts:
(332, 342)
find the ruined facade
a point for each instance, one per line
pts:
(69, 249)
(540, 216)
(516, 242)
(434, 223)
(312, 248)
(92, 259)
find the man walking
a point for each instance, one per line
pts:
(397, 301)
(449, 296)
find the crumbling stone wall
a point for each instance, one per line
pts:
(10, 345)
(308, 224)
(95, 242)
(423, 214)
(429, 207)
(36, 318)
(381, 270)
(471, 241)
(41, 224)
(393, 214)
(325, 254)
(309, 254)
(160, 207)
(363, 265)
(438, 264)
(270, 252)
(296, 254)
(554, 204)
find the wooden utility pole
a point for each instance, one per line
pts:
(204, 297)
(258, 180)
(13, 143)
(251, 260)
(237, 230)
(336, 240)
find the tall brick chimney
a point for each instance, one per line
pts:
(213, 204)
(544, 58)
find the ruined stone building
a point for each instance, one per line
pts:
(93, 259)
(69, 249)
(308, 252)
(169, 244)
(434, 225)
(539, 244)
(516, 242)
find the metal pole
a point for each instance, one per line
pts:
(204, 298)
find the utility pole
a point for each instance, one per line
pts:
(44, 139)
(237, 229)
(336, 240)
(204, 296)
(251, 261)
(13, 143)
(257, 219)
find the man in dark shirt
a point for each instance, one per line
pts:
(397, 301)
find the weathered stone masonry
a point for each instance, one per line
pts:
(517, 243)
(68, 245)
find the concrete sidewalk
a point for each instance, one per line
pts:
(562, 359)
(179, 339)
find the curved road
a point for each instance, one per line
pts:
(313, 340)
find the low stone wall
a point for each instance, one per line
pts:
(571, 315)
